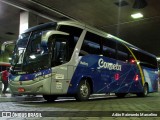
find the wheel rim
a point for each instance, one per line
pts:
(84, 90)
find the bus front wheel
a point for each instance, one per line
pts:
(145, 91)
(83, 91)
(50, 98)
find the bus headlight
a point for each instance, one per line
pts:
(48, 75)
(41, 78)
(36, 79)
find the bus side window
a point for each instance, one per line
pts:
(72, 43)
(85, 49)
(91, 44)
(122, 52)
(74, 34)
(59, 51)
(145, 59)
(109, 48)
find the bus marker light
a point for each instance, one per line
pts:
(21, 90)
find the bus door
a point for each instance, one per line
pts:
(60, 54)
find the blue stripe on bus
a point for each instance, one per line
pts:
(26, 77)
(103, 78)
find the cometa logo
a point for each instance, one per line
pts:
(107, 65)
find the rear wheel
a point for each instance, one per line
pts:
(145, 91)
(83, 91)
(50, 98)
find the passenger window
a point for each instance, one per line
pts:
(145, 59)
(109, 48)
(91, 45)
(74, 34)
(123, 53)
(60, 51)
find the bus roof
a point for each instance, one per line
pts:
(42, 26)
(104, 34)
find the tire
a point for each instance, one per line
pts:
(50, 98)
(145, 91)
(120, 95)
(83, 91)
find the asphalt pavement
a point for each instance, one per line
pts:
(11, 98)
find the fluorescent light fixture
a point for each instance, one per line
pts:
(137, 15)
(9, 58)
(158, 58)
(32, 56)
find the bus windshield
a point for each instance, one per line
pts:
(22, 40)
(32, 53)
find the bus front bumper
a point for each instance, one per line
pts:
(30, 87)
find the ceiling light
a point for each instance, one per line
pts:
(137, 15)
(32, 56)
(158, 58)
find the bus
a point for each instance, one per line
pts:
(73, 59)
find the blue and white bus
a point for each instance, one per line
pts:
(71, 58)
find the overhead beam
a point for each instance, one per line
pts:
(53, 10)
(38, 9)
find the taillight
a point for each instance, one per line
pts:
(136, 77)
(116, 76)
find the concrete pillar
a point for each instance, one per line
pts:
(27, 20)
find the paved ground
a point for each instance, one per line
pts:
(97, 108)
